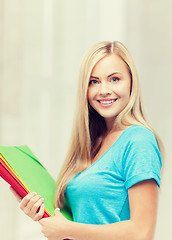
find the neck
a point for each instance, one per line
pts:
(112, 127)
(110, 124)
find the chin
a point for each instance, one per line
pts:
(108, 116)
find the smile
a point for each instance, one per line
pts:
(107, 103)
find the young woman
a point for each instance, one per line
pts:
(112, 171)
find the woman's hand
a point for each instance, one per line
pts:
(32, 205)
(55, 228)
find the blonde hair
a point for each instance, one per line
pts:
(88, 125)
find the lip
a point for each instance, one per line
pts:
(107, 102)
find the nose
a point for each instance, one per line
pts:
(104, 89)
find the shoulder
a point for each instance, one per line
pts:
(141, 157)
(141, 143)
(139, 134)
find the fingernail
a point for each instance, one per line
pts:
(58, 209)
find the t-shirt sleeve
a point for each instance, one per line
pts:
(142, 160)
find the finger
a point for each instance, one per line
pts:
(42, 221)
(35, 208)
(26, 200)
(15, 194)
(33, 201)
(40, 213)
(57, 210)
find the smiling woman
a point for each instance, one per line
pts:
(112, 170)
(109, 87)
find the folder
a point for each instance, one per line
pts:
(20, 168)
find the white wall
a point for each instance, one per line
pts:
(41, 45)
(149, 37)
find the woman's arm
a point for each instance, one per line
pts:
(143, 198)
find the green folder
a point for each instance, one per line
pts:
(26, 166)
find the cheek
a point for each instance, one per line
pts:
(127, 96)
(124, 90)
(91, 94)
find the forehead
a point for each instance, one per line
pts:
(109, 64)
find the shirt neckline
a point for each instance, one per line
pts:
(117, 140)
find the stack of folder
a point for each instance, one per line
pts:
(22, 170)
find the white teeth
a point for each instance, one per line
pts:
(107, 102)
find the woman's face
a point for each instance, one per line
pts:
(109, 87)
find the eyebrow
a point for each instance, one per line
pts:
(107, 76)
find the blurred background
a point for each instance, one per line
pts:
(42, 43)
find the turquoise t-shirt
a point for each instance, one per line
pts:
(99, 195)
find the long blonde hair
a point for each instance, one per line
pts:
(88, 125)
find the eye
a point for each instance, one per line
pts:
(93, 82)
(114, 79)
